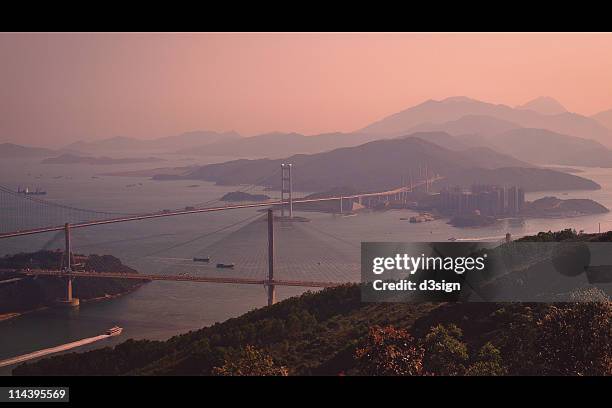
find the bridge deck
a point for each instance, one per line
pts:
(204, 210)
(182, 278)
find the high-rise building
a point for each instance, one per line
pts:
(521, 199)
(487, 199)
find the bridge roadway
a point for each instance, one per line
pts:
(179, 278)
(209, 209)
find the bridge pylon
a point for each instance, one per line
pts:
(286, 188)
(69, 301)
(270, 283)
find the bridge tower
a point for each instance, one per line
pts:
(286, 188)
(67, 251)
(270, 284)
(69, 301)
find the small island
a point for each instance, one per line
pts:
(472, 220)
(241, 196)
(21, 294)
(557, 207)
(546, 207)
(103, 160)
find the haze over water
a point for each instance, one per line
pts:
(325, 249)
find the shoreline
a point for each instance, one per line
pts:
(524, 217)
(4, 317)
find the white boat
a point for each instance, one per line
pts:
(114, 331)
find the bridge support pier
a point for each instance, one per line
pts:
(270, 283)
(69, 290)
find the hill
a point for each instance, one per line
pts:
(544, 105)
(553, 207)
(68, 158)
(454, 108)
(29, 293)
(605, 118)
(546, 147)
(275, 145)
(384, 164)
(469, 125)
(166, 144)
(530, 179)
(14, 151)
(539, 146)
(333, 332)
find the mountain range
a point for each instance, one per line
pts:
(474, 121)
(540, 131)
(531, 145)
(68, 158)
(14, 151)
(546, 147)
(278, 144)
(386, 164)
(455, 108)
(163, 144)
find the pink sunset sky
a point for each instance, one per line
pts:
(59, 88)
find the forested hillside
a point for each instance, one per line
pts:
(332, 333)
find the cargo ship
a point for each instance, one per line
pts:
(26, 191)
(224, 265)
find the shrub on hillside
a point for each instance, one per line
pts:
(488, 363)
(250, 362)
(389, 351)
(575, 339)
(445, 352)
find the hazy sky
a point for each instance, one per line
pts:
(57, 88)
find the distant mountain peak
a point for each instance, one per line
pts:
(541, 113)
(459, 99)
(604, 117)
(544, 105)
(117, 138)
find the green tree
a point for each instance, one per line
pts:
(576, 339)
(389, 351)
(250, 362)
(489, 362)
(445, 353)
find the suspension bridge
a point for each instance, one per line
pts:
(17, 221)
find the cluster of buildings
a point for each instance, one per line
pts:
(484, 199)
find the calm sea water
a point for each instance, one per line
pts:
(327, 248)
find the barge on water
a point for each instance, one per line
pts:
(27, 191)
